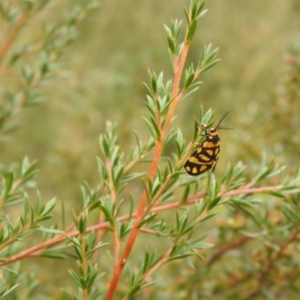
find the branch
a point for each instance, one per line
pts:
(222, 250)
(261, 279)
(113, 200)
(11, 38)
(157, 265)
(38, 249)
(178, 69)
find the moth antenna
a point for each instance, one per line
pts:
(219, 123)
(225, 128)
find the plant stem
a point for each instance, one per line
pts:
(7, 43)
(38, 249)
(178, 69)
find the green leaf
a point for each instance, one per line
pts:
(291, 214)
(180, 145)
(82, 223)
(97, 247)
(214, 202)
(290, 189)
(92, 276)
(180, 256)
(191, 31)
(200, 7)
(171, 44)
(240, 202)
(6, 291)
(213, 190)
(208, 66)
(200, 15)
(169, 138)
(53, 255)
(153, 128)
(26, 209)
(147, 219)
(208, 216)
(133, 290)
(185, 194)
(8, 183)
(199, 208)
(186, 15)
(67, 296)
(202, 245)
(75, 277)
(132, 176)
(168, 30)
(188, 81)
(275, 194)
(210, 56)
(47, 208)
(107, 214)
(104, 145)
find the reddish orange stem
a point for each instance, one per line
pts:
(38, 249)
(178, 69)
(9, 41)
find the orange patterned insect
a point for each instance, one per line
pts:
(206, 155)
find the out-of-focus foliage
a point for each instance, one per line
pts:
(98, 63)
(103, 73)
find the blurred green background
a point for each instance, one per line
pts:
(102, 75)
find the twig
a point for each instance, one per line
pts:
(222, 250)
(7, 43)
(113, 200)
(38, 249)
(157, 265)
(178, 69)
(271, 262)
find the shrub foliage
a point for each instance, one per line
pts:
(233, 236)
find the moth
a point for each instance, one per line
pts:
(206, 155)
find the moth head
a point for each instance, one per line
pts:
(212, 131)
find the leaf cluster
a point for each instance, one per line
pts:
(144, 195)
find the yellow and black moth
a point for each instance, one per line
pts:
(206, 155)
